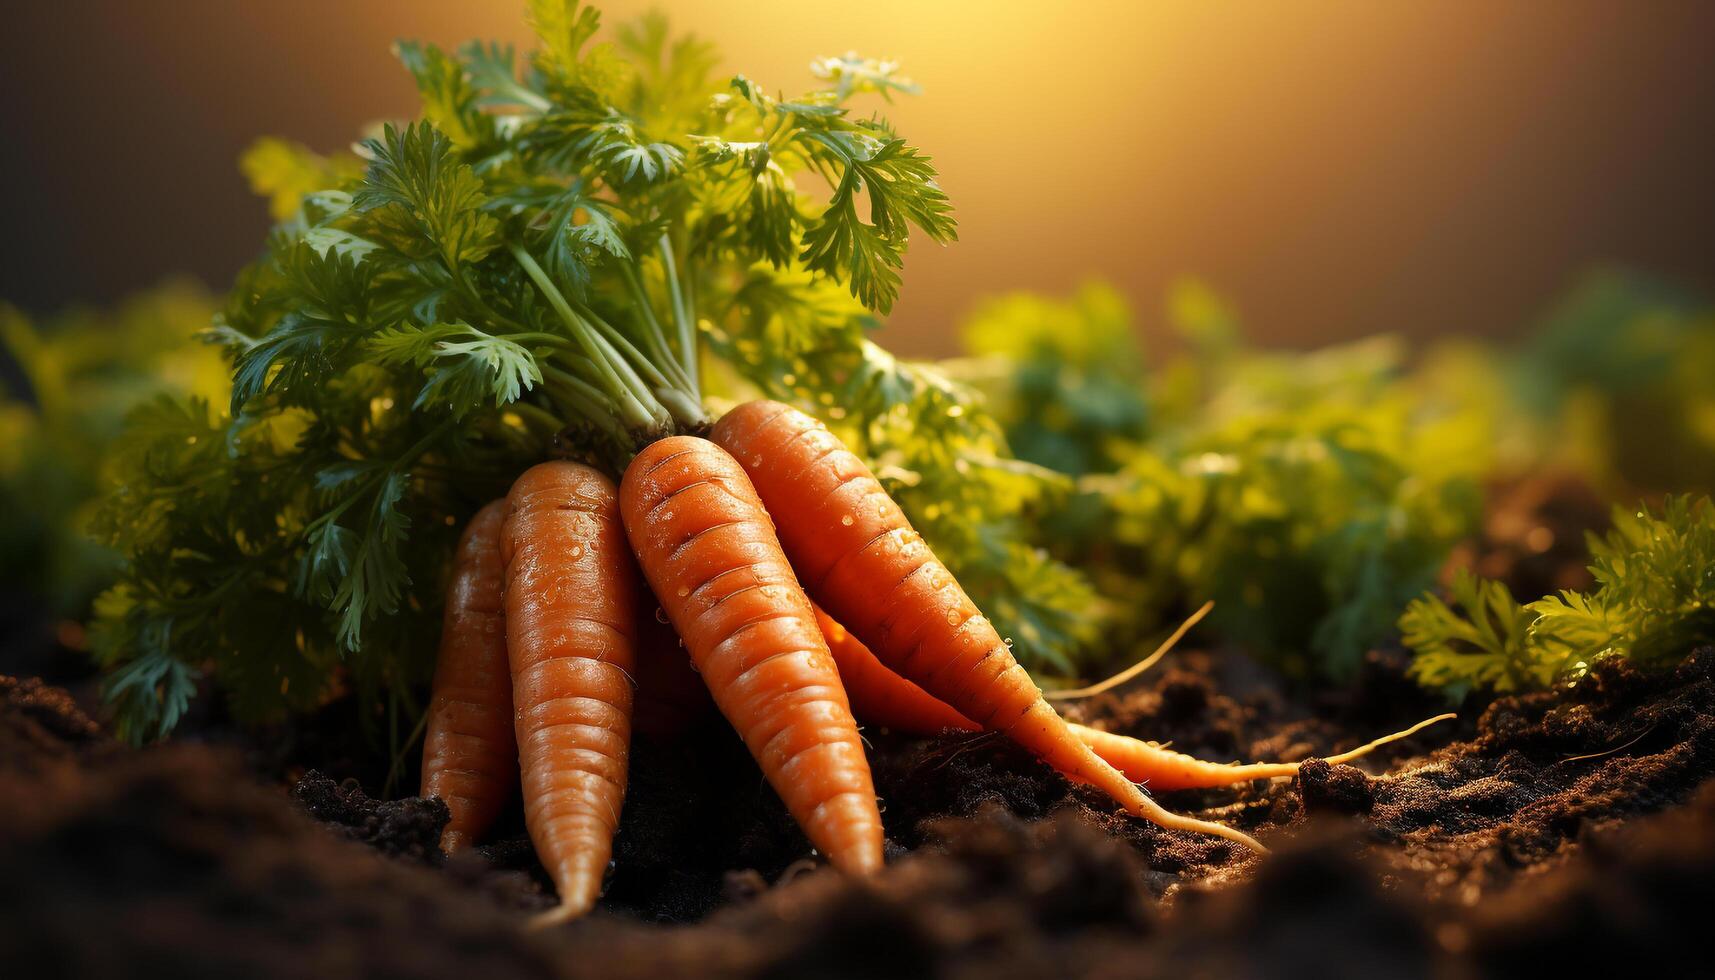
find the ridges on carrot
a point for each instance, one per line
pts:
(571, 616)
(470, 756)
(709, 552)
(858, 556)
(880, 696)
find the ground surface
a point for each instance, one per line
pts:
(1553, 832)
(1575, 829)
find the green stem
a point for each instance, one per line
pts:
(687, 329)
(583, 399)
(536, 337)
(654, 335)
(541, 415)
(634, 402)
(626, 349)
(673, 393)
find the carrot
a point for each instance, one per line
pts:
(470, 759)
(709, 552)
(881, 697)
(1162, 769)
(571, 619)
(859, 558)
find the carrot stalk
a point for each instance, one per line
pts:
(710, 554)
(470, 757)
(571, 617)
(859, 558)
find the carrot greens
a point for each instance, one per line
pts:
(1653, 602)
(562, 256)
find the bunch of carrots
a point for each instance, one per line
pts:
(548, 258)
(803, 599)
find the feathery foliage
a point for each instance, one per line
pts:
(548, 262)
(1654, 600)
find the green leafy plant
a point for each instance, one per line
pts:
(1311, 495)
(1654, 600)
(565, 255)
(78, 374)
(1069, 386)
(1618, 371)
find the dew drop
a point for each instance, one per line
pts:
(660, 615)
(846, 520)
(755, 461)
(576, 551)
(683, 592)
(952, 616)
(1008, 642)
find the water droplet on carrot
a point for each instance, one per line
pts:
(576, 550)
(953, 616)
(683, 592)
(846, 520)
(660, 615)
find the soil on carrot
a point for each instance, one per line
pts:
(1574, 828)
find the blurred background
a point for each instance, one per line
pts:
(1336, 169)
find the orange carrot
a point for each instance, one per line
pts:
(470, 758)
(859, 558)
(881, 697)
(710, 554)
(1162, 769)
(571, 618)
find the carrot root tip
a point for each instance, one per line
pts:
(556, 916)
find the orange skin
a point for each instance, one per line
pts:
(880, 696)
(709, 552)
(470, 757)
(571, 621)
(860, 559)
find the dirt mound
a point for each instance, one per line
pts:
(173, 860)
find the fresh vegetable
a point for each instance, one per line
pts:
(566, 248)
(880, 696)
(1309, 495)
(571, 629)
(709, 552)
(858, 556)
(66, 384)
(470, 755)
(1161, 769)
(1654, 601)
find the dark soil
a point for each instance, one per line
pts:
(1552, 831)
